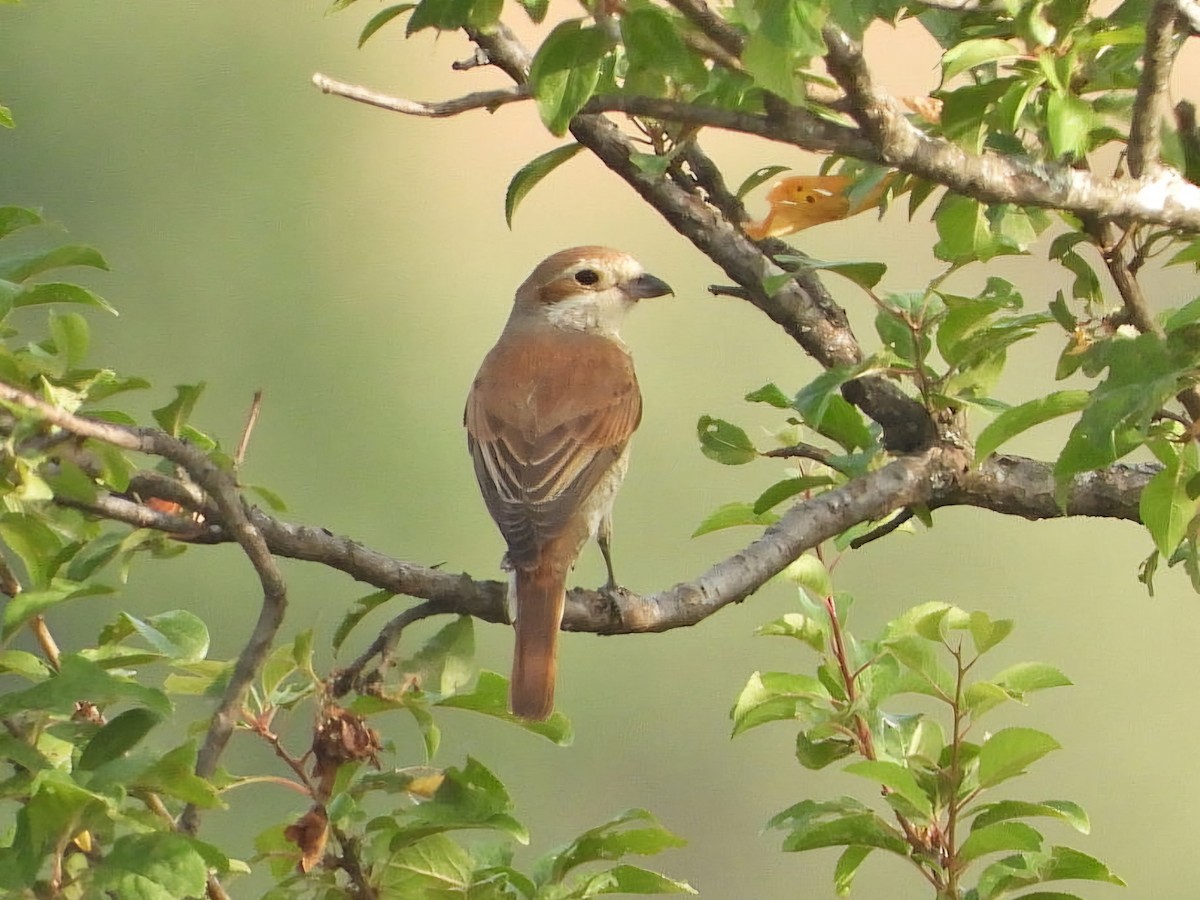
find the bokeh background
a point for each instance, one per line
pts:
(355, 265)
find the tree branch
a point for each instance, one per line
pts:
(937, 478)
(235, 522)
(489, 100)
(1145, 130)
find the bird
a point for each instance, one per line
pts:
(548, 419)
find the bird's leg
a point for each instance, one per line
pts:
(604, 539)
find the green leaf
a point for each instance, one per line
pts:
(172, 417)
(724, 442)
(1008, 752)
(162, 865)
(986, 633)
(565, 70)
(28, 604)
(272, 499)
(1071, 813)
(788, 488)
(730, 515)
(840, 823)
(533, 172)
(627, 879)
(757, 177)
(468, 798)
(381, 18)
(178, 634)
(14, 218)
(20, 268)
(80, 679)
(1021, 418)
(902, 784)
(117, 737)
(864, 273)
(801, 627)
(20, 662)
(1024, 678)
(653, 43)
(770, 394)
(775, 696)
(611, 840)
(971, 53)
(443, 15)
(826, 411)
(788, 34)
(444, 663)
(37, 546)
(1066, 863)
(173, 775)
(963, 231)
(1086, 285)
(535, 9)
(817, 753)
(997, 838)
(56, 292)
(362, 606)
(490, 697)
(807, 571)
(1165, 506)
(847, 868)
(70, 334)
(1069, 121)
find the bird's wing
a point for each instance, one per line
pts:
(546, 418)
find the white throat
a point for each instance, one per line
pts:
(595, 313)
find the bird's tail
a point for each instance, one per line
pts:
(541, 593)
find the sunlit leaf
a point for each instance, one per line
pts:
(724, 442)
(1021, 418)
(1010, 751)
(381, 18)
(533, 172)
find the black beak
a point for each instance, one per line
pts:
(646, 285)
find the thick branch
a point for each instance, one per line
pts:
(938, 478)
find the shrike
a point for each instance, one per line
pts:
(548, 422)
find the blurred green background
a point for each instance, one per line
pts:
(355, 265)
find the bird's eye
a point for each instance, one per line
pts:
(587, 276)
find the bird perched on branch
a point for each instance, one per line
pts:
(548, 422)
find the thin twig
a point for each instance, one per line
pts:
(383, 646)
(883, 530)
(45, 640)
(489, 100)
(239, 455)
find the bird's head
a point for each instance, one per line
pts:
(586, 289)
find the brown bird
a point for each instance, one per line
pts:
(548, 421)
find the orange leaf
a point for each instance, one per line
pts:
(806, 200)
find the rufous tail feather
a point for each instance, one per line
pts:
(541, 593)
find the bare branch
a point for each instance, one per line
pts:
(1017, 486)
(489, 100)
(937, 478)
(1145, 130)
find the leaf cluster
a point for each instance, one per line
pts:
(938, 772)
